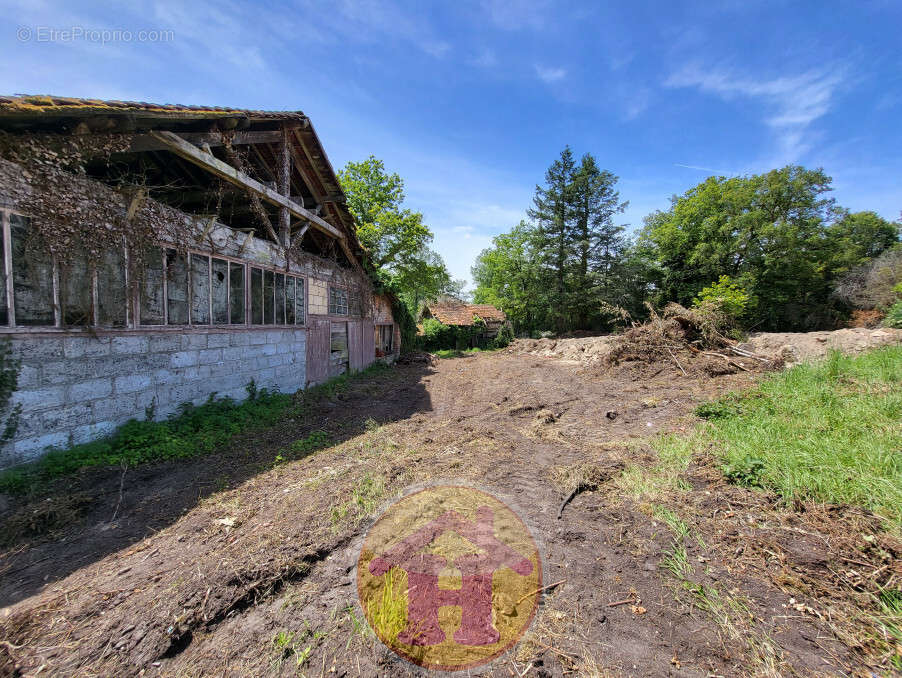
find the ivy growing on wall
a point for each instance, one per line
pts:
(78, 222)
(9, 381)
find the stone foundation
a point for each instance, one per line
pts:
(77, 388)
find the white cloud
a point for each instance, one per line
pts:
(636, 103)
(794, 102)
(550, 75)
(706, 169)
(211, 31)
(366, 20)
(512, 15)
(485, 59)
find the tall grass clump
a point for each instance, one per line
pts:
(830, 431)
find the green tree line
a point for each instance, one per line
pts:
(777, 240)
(396, 239)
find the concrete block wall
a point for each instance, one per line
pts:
(77, 388)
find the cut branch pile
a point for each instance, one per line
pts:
(696, 332)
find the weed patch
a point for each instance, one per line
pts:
(304, 446)
(389, 606)
(651, 483)
(365, 498)
(459, 353)
(194, 431)
(340, 384)
(829, 432)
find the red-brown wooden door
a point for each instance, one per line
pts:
(319, 331)
(362, 345)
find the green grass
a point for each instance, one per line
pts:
(830, 432)
(889, 620)
(365, 498)
(676, 561)
(676, 524)
(388, 609)
(195, 431)
(651, 483)
(460, 353)
(340, 384)
(302, 447)
(287, 644)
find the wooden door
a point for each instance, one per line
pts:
(339, 355)
(362, 344)
(318, 344)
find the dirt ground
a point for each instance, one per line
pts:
(790, 347)
(194, 568)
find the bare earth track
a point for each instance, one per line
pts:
(206, 561)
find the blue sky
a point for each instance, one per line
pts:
(470, 101)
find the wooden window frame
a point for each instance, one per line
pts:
(133, 305)
(347, 306)
(275, 272)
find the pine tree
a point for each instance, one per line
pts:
(599, 242)
(553, 213)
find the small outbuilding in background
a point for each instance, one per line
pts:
(475, 324)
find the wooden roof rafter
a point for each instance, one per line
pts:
(311, 180)
(211, 163)
(224, 171)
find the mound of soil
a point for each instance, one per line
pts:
(582, 350)
(802, 346)
(671, 338)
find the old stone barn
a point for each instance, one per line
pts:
(156, 254)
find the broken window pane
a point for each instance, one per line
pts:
(111, 297)
(76, 283)
(32, 277)
(280, 298)
(299, 308)
(151, 287)
(236, 293)
(268, 297)
(200, 289)
(289, 300)
(338, 301)
(220, 291)
(354, 308)
(177, 288)
(256, 296)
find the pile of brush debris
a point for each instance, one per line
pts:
(697, 335)
(689, 339)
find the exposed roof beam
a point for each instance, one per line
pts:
(145, 142)
(212, 164)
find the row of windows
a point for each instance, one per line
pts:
(200, 289)
(175, 289)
